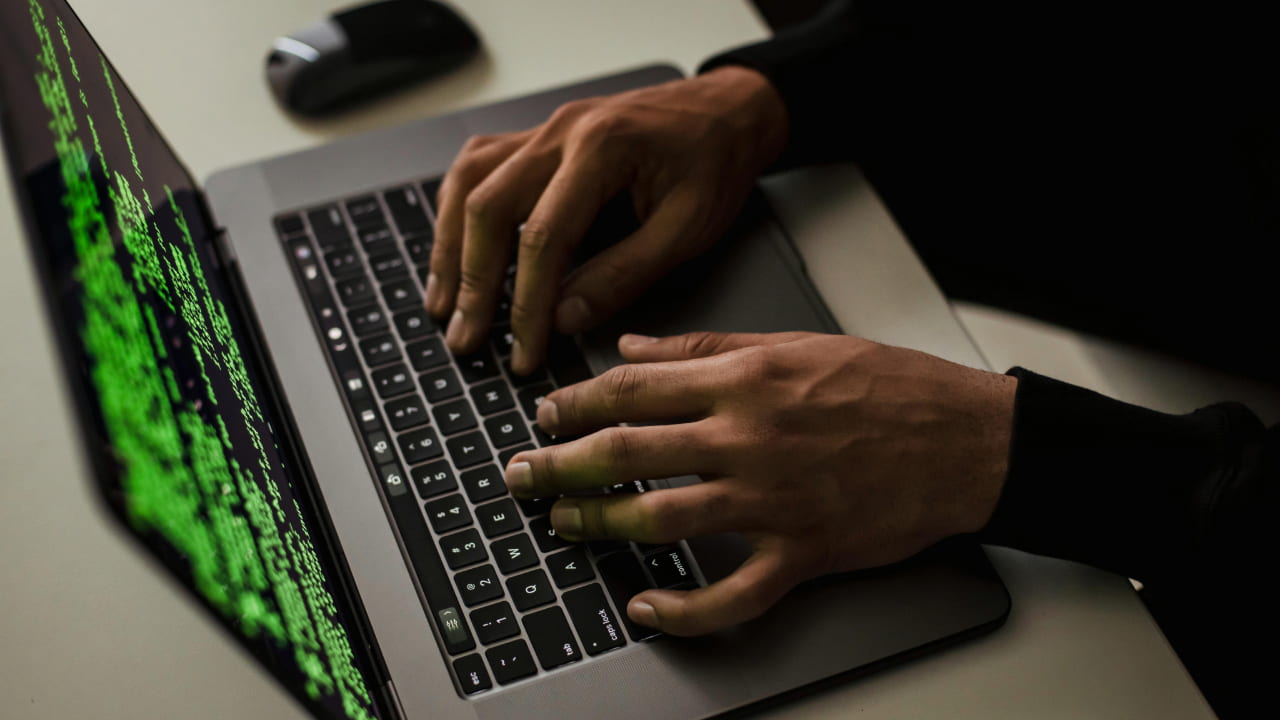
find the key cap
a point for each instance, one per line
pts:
(433, 479)
(504, 457)
(454, 417)
(419, 248)
(406, 412)
(288, 225)
(376, 239)
(366, 415)
(355, 291)
(491, 397)
(519, 381)
(467, 450)
(448, 513)
(669, 568)
(365, 211)
(343, 262)
(441, 384)
(513, 553)
(545, 535)
(478, 585)
(494, 622)
(420, 445)
(471, 674)
(329, 228)
(506, 430)
(379, 350)
(477, 366)
(401, 295)
(392, 381)
(498, 518)
(367, 320)
(380, 447)
(484, 483)
(463, 549)
(530, 590)
(531, 397)
(503, 339)
(510, 662)
(406, 210)
(595, 621)
(568, 567)
(413, 324)
(389, 265)
(624, 579)
(426, 354)
(430, 189)
(551, 639)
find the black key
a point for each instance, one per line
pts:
(388, 265)
(376, 239)
(448, 513)
(604, 547)
(406, 210)
(491, 397)
(402, 295)
(596, 623)
(354, 385)
(545, 535)
(513, 553)
(441, 384)
(413, 324)
(478, 366)
(379, 350)
(367, 320)
(380, 448)
(329, 228)
(454, 417)
(506, 430)
(392, 478)
(426, 354)
(288, 225)
(510, 662)
(625, 579)
(551, 639)
(470, 449)
(531, 397)
(530, 590)
(565, 361)
(471, 673)
(463, 549)
(484, 483)
(366, 415)
(392, 381)
(568, 567)
(494, 622)
(668, 568)
(537, 376)
(498, 518)
(365, 211)
(478, 585)
(406, 412)
(505, 456)
(631, 487)
(355, 291)
(434, 479)
(430, 189)
(544, 439)
(420, 445)
(503, 339)
(419, 248)
(343, 262)
(441, 602)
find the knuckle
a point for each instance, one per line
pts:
(535, 238)
(618, 446)
(524, 317)
(599, 126)
(621, 385)
(595, 519)
(570, 111)
(698, 344)
(754, 365)
(479, 205)
(471, 283)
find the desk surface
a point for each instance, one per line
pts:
(91, 629)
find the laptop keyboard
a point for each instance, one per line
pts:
(508, 597)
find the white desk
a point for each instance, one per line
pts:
(89, 628)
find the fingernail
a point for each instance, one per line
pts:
(643, 613)
(567, 520)
(573, 315)
(633, 339)
(454, 335)
(520, 478)
(549, 416)
(433, 288)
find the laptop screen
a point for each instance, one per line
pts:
(178, 426)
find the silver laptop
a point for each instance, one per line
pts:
(269, 412)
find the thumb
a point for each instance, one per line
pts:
(743, 595)
(638, 348)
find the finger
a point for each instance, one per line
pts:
(744, 595)
(611, 280)
(611, 456)
(554, 228)
(641, 349)
(655, 517)
(479, 157)
(631, 393)
(494, 210)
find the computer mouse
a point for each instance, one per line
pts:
(365, 51)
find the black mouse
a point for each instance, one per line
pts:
(365, 51)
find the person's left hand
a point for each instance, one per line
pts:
(828, 452)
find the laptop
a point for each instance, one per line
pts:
(269, 412)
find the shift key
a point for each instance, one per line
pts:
(594, 619)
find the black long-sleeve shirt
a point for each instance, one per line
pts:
(1066, 152)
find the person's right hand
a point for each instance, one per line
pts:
(688, 151)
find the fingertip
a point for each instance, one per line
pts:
(643, 613)
(549, 416)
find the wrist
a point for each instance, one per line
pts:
(995, 418)
(755, 113)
